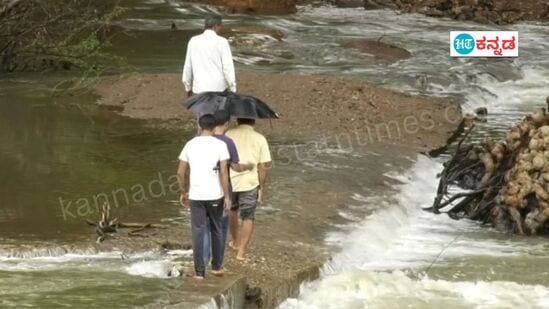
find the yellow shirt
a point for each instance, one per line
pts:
(252, 147)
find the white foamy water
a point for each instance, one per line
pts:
(146, 264)
(157, 268)
(150, 269)
(385, 259)
(401, 256)
(370, 289)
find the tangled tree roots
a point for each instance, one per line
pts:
(507, 182)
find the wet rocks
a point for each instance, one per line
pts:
(348, 3)
(257, 40)
(382, 51)
(482, 11)
(274, 33)
(366, 4)
(380, 4)
(178, 268)
(371, 5)
(256, 6)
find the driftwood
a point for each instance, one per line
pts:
(506, 182)
(106, 226)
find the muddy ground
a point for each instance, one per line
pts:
(310, 107)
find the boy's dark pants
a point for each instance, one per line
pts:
(202, 212)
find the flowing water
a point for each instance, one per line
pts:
(57, 151)
(400, 256)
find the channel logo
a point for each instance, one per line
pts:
(484, 43)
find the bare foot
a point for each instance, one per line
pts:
(241, 258)
(198, 278)
(232, 246)
(218, 273)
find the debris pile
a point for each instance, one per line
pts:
(506, 182)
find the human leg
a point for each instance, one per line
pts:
(245, 237)
(207, 244)
(198, 229)
(248, 205)
(233, 222)
(225, 227)
(215, 213)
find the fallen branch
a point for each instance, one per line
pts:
(106, 227)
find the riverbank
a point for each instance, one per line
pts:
(318, 114)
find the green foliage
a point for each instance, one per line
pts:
(57, 35)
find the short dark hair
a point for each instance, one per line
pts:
(206, 122)
(212, 20)
(245, 121)
(221, 117)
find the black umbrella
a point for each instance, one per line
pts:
(237, 105)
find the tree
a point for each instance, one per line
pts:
(42, 35)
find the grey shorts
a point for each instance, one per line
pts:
(246, 203)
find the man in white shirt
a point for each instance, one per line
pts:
(209, 62)
(206, 157)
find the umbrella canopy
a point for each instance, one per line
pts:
(237, 105)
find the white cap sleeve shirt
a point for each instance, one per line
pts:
(203, 154)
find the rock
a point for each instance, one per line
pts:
(313, 3)
(371, 5)
(482, 11)
(391, 4)
(432, 12)
(349, 3)
(481, 111)
(443, 5)
(275, 33)
(256, 6)
(463, 13)
(174, 272)
(252, 294)
(511, 17)
(479, 17)
(530, 7)
(380, 50)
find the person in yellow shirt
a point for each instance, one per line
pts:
(248, 186)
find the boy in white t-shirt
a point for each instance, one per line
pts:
(205, 158)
